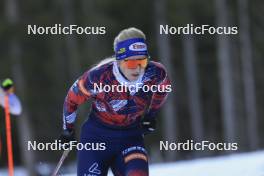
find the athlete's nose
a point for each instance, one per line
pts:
(139, 68)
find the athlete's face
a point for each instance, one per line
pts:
(133, 67)
(10, 90)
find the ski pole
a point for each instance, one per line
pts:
(9, 138)
(64, 155)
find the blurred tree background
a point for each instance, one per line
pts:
(218, 80)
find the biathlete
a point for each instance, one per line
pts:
(118, 118)
(15, 108)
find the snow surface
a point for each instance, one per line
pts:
(233, 165)
(245, 164)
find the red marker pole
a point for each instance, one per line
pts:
(9, 138)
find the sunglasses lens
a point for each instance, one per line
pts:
(144, 63)
(134, 63)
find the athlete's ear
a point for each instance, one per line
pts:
(119, 66)
(118, 63)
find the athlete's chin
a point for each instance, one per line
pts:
(133, 78)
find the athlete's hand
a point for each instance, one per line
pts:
(67, 136)
(148, 125)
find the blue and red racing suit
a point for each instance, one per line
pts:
(115, 116)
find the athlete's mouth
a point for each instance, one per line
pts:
(135, 74)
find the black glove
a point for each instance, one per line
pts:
(67, 136)
(148, 125)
